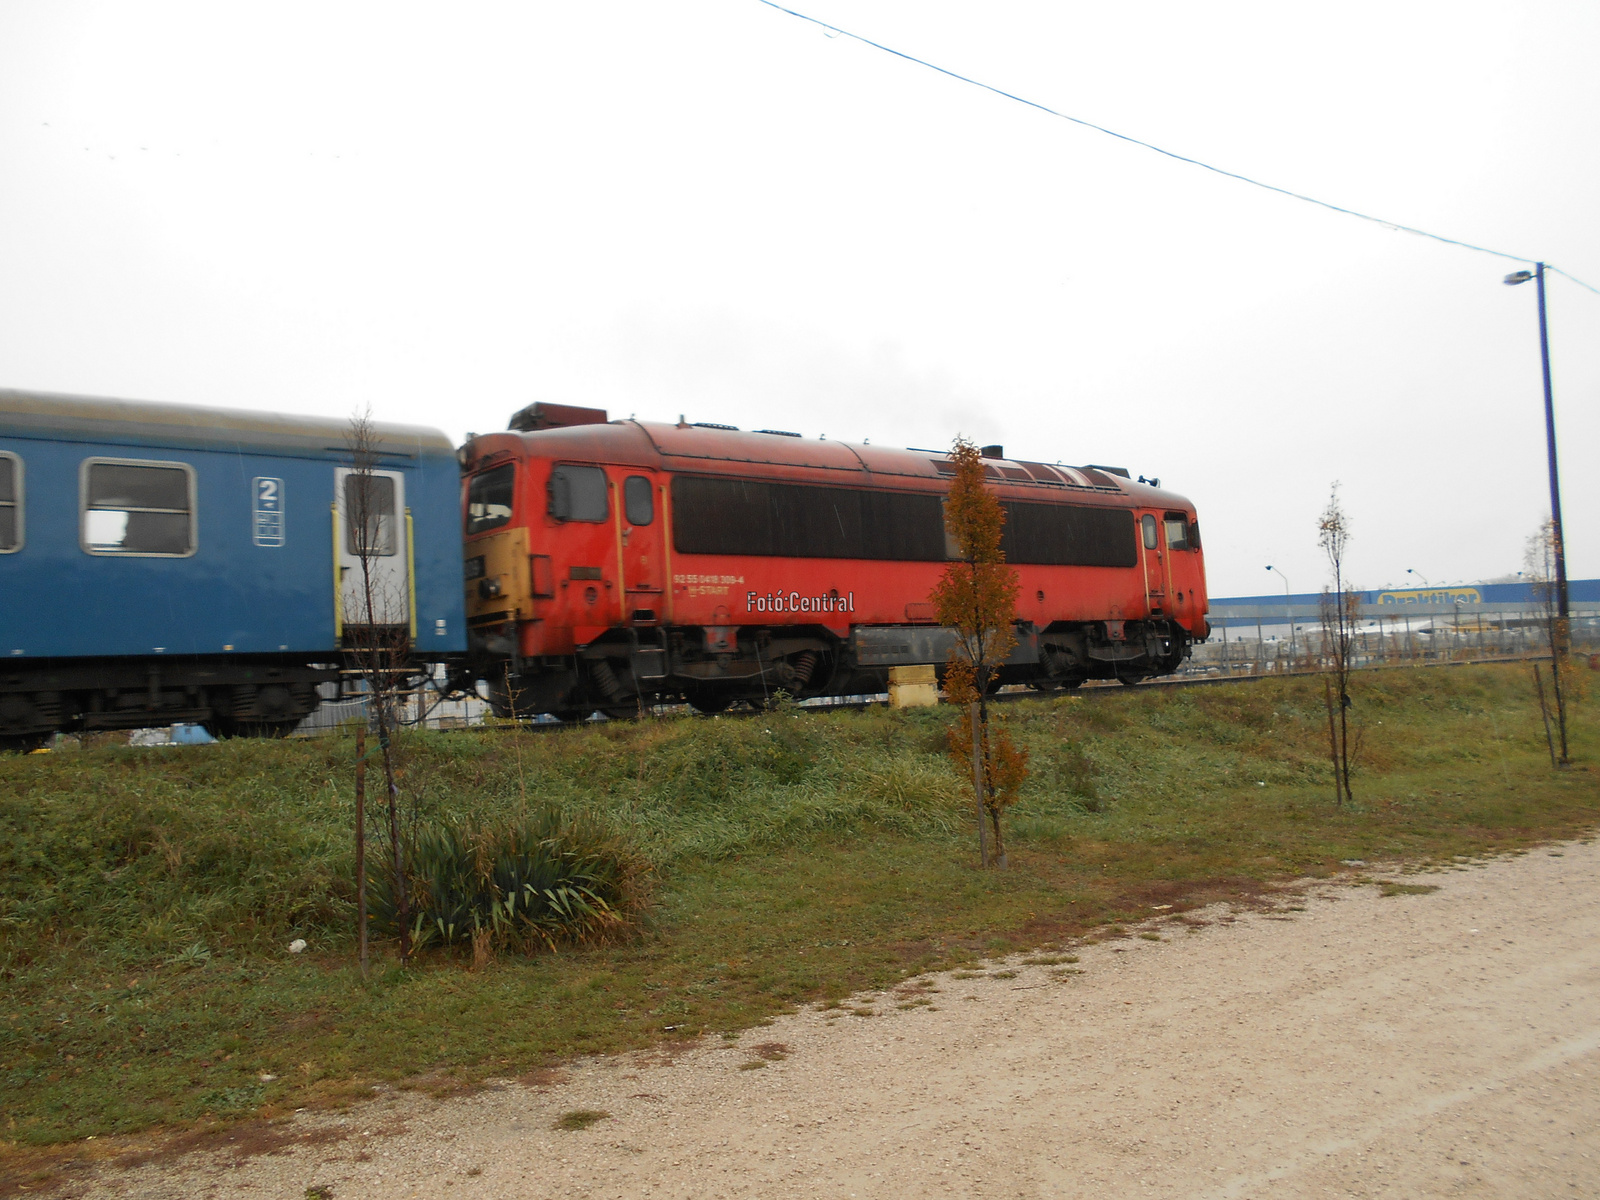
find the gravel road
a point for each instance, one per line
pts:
(1343, 1043)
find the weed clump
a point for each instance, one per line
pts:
(579, 1118)
(1387, 888)
(529, 884)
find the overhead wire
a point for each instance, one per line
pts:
(1183, 158)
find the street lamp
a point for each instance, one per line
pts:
(1419, 575)
(1537, 275)
(1287, 611)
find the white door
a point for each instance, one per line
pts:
(374, 550)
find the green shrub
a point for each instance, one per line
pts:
(530, 882)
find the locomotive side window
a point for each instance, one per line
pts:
(1069, 535)
(578, 494)
(1177, 531)
(10, 503)
(1148, 524)
(736, 516)
(144, 508)
(638, 500)
(371, 525)
(489, 498)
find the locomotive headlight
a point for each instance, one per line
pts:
(489, 588)
(475, 567)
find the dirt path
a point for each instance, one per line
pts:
(1443, 1044)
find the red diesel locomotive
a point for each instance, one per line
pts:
(614, 563)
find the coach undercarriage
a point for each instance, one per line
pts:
(714, 667)
(253, 695)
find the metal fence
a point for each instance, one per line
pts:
(1241, 645)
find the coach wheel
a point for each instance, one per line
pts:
(232, 728)
(622, 712)
(572, 716)
(23, 743)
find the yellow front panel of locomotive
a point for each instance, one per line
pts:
(504, 590)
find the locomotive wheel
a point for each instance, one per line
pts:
(268, 729)
(708, 702)
(572, 716)
(1044, 685)
(621, 712)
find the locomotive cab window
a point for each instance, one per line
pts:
(142, 508)
(638, 500)
(10, 503)
(1148, 524)
(1177, 532)
(371, 525)
(489, 496)
(578, 494)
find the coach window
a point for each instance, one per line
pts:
(1177, 531)
(142, 508)
(489, 498)
(578, 494)
(371, 524)
(1148, 524)
(10, 503)
(638, 500)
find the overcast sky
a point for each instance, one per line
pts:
(712, 208)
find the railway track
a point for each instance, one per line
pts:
(1093, 688)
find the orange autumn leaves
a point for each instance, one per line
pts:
(977, 597)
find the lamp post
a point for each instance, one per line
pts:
(1419, 575)
(1558, 639)
(1287, 611)
(1537, 275)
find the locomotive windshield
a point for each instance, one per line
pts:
(1177, 531)
(489, 498)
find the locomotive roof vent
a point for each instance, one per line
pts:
(778, 432)
(540, 415)
(714, 425)
(1123, 471)
(992, 451)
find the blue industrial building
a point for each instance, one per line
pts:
(1466, 597)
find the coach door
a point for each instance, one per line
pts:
(372, 548)
(1153, 555)
(640, 547)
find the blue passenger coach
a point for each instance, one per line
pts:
(164, 563)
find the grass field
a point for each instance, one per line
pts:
(147, 896)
